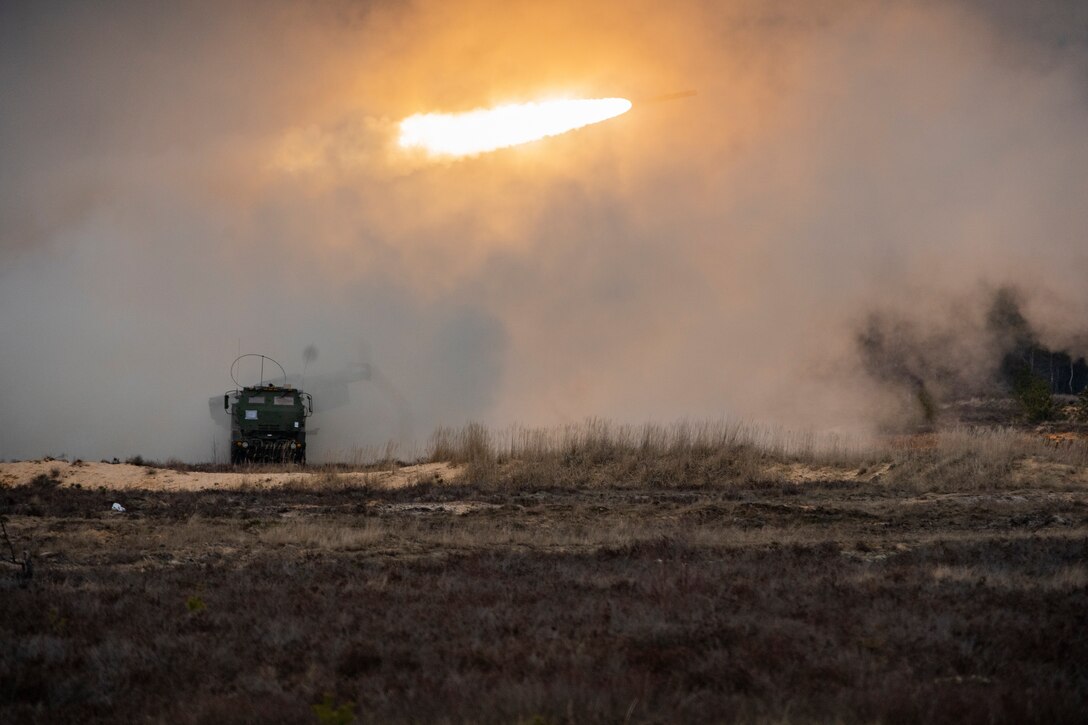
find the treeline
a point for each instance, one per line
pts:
(999, 354)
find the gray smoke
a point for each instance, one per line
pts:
(182, 183)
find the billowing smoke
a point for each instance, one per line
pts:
(972, 352)
(180, 184)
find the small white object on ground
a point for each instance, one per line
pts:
(119, 508)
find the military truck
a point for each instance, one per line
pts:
(268, 422)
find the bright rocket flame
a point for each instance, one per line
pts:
(487, 129)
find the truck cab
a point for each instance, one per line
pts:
(268, 423)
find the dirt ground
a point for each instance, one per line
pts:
(430, 597)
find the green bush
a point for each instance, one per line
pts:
(328, 714)
(1033, 394)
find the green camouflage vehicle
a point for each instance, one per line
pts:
(268, 423)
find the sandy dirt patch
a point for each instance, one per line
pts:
(123, 476)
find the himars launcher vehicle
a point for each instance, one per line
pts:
(267, 422)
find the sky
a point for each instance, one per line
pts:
(184, 182)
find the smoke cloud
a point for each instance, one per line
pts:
(182, 183)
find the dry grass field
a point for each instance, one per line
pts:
(591, 574)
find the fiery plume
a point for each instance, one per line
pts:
(488, 129)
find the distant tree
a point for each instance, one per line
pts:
(1033, 394)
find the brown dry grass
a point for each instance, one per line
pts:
(597, 454)
(588, 575)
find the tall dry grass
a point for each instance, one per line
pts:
(600, 440)
(970, 459)
(597, 452)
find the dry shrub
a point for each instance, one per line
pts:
(322, 535)
(470, 446)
